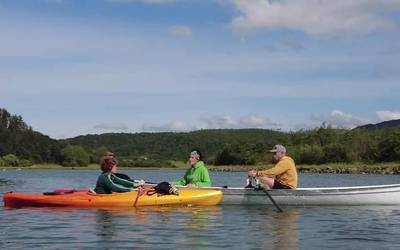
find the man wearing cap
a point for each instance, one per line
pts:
(284, 171)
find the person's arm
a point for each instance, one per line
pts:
(123, 182)
(116, 187)
(203, 179)
(182, 181)
(280, 168)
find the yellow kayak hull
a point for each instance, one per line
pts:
(128, 199)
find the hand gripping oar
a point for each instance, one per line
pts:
(258, 187)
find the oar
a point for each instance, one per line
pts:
(270, 197)
(272, 200)
(123, 176)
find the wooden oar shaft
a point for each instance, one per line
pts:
(268, 194)
(272, 200)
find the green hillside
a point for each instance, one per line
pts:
(175, 146)
(18, 139)
(381, 125)
(21, 146)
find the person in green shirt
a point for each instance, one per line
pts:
(197, 174)
(108, 181)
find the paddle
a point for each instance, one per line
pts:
(123, 176)
(126, 177)
(258, 187)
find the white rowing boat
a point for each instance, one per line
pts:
(332, 196)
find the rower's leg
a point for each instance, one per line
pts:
(267, 182)
(249, 183)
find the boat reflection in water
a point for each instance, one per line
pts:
(163, 226)
(284, 230)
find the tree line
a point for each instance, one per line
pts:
(21, 146)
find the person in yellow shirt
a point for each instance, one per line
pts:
(284, 171)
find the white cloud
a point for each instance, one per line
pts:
(63, 57)
(255, 121)
(181, 30)
(227, 121)
(339, 119)
(224, 121)
(111, 126)
(175, 126)
(212, 122)
(386, 115)
(316, 17)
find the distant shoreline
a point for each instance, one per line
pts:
(392, 168)
(334, 168)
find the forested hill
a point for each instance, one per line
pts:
(381, 125)
(247, 146)
(21, 146)
(175, 146)
(18, 139)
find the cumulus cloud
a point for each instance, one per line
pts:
(181, 30)
(316, 17)
(339, 119)
(227, 121)
(386, 115)
(213, 122)
(256, 121)
(175, 126)
(111, 127)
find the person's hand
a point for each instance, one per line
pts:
(252, 173)
(140, 182)
(191, 185)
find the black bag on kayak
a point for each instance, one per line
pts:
(163, 188)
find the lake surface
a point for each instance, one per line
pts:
(230, 227)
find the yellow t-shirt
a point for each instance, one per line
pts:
(284, 171)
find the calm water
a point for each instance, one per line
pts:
(233, 227)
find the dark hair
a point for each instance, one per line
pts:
(108, 162)
(198, 152)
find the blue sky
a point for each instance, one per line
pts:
(75, 67)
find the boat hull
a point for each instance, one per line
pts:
(85, 199)
(336, 196)
(348, 196)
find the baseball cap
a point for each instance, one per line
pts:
(278, 148)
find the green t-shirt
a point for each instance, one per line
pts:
(197, 174)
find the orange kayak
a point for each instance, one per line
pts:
(128, 199)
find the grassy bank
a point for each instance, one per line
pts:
(357, 168)
(337, 168)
